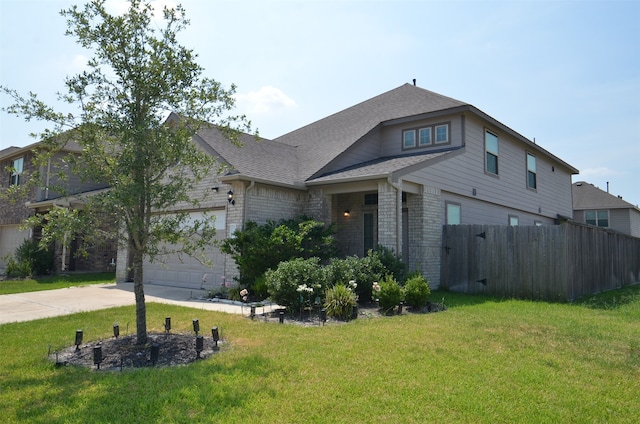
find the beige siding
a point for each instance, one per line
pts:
(462, 174)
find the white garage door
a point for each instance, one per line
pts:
(10, 238)
(185, 271)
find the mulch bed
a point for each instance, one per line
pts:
(121, 353)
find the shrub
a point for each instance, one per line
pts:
(340, 302)
(283, 282)
(30, 259)
(258, 248)
(392, 263)
(18, 269)
(364, 271)
(416, 292)
(390, 294)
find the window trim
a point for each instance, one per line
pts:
(447, 204)
(435, 131)
(415, 133)
(420, 143)
(404, 139)
(16, 174)
(529, 171)
(488, 152)
(597, 218)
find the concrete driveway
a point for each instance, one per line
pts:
(49, 303)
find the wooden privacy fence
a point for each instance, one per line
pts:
(551, 262)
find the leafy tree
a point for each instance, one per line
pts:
(138, 73)
(258, 248)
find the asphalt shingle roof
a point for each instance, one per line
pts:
(260, 159)
(320, 142)
(588, 196)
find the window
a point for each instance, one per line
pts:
(597, 218)
(16, 171)
(531, 172)
(371, 199)
(453, 213)
(513, 220)
(425, 136)
(442, 134)
(409, 139)
(537, 223)
(491, 151)
(368, 234)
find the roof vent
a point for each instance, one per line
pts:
(414, 82)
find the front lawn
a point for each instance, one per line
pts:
(51, 282)
(484, 360)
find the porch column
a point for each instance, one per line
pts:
(319, 205)
(432, 213)
(389, 217)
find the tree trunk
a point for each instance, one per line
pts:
(141, 307)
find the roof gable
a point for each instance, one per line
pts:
(320, 142)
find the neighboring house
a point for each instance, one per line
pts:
(597, 207)
(389, 171)
(17, 165)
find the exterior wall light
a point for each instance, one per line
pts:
(230, 198)
(347, 212)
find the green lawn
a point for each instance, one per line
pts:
(482, 361)
(51, 282)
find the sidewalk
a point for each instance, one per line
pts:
(49, 303)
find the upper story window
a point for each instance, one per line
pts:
(426, 136)
(532, 181)
(16, 171)
(408, 139)
(597, 218)
(442, 134)
(491, 152)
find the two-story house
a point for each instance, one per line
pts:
(389, 171)
(594, 206)
(19, 167)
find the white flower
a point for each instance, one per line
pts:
(244, 293)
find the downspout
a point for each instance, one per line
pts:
(250, 187)
(64, 241)
(398, 215)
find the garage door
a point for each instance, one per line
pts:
(185, 271)
(10, 238)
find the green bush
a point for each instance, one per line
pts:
(29, 260)
(258, 248)
(18, 269)
(416, 292)
(288, 285)
(390, 294)
(340, 302)
(392, 263)
(364, 271)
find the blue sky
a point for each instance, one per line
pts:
(566, 73)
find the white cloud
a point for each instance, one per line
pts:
(267, 99)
